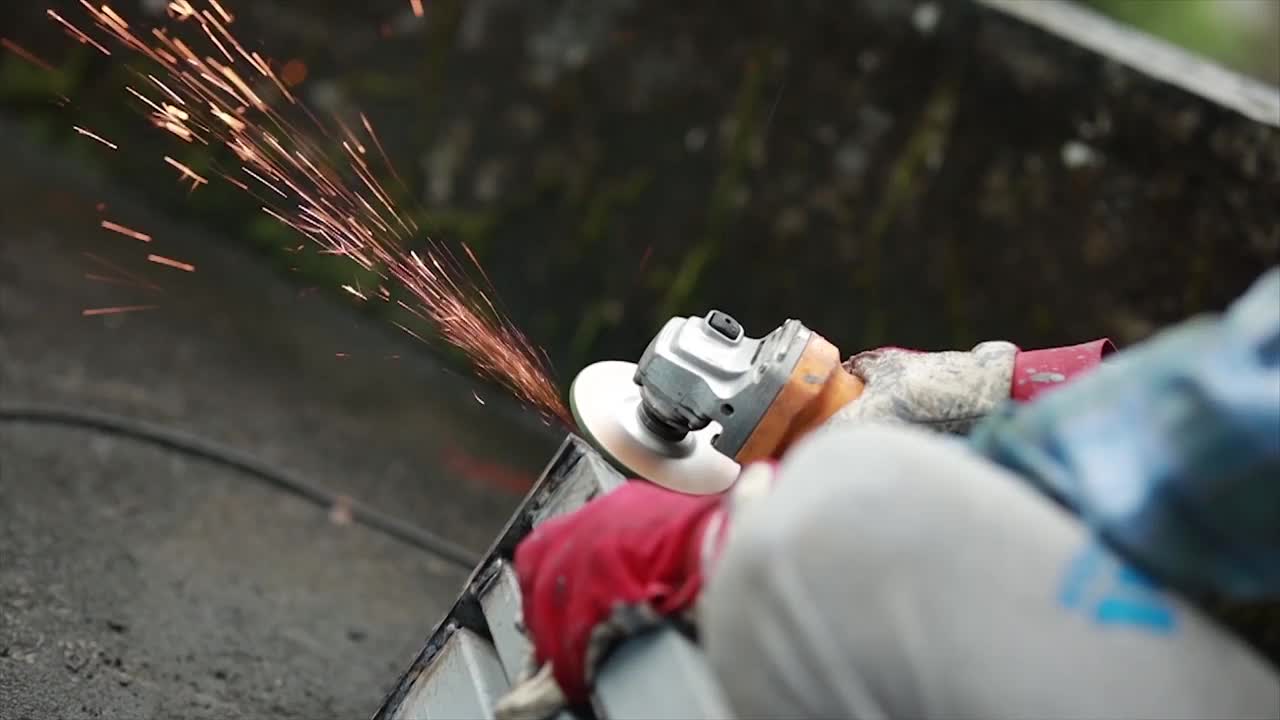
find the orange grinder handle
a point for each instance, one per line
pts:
(817, 388)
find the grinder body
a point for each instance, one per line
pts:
(702, 386)
(763, 392)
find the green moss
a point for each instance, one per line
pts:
(379, 86)
(267, 232)
(474, 227)
(906, 181)
(439, 43)
(21, 80)
(615, 194)
(728, 183)
(599, 316)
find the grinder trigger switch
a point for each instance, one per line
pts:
(725, 325)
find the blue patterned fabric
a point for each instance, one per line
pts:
(1170, 450)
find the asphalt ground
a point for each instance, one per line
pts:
(139, 582)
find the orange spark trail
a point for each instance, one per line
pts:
(187, 172)
(124, 273)
(226, 16)
(410, 332)
(235, 182)
(144, 99)
(25, 54)
(126, 231)
(162, 260)
(75, 32)
(214, 91)
(116, 281)
(385, 159)
(95, 136)
(166, 89)
(181, 9)
(87, 312)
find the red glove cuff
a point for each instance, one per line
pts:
(1038, 371)
(638, 546)
(707, 525)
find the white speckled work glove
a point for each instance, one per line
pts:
(947, 391)
(952, 391)
(533, 696)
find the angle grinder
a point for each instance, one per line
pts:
(706, 399)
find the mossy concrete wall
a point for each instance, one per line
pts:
(917, 173)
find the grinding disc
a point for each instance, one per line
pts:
(605, 401)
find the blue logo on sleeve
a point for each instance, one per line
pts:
(1112, 593)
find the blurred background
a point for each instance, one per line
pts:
(923, 174)
(612, 164)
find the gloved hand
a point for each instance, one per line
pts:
(951, 391)
(620, 564)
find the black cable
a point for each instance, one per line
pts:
(144, 432)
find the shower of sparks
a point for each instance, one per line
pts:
(127, 232)
(229, 96)
(25, 54)
(476, 395)
(162, 260)
(87, 312)
(94, 136)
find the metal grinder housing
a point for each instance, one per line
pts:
(705, 398)
(701, 369)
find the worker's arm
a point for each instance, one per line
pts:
(894, 573)
(1186, 422)
(1171, 452)
(639, 553)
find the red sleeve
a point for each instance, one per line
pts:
(1038, 371)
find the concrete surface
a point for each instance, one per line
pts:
(138, 583)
